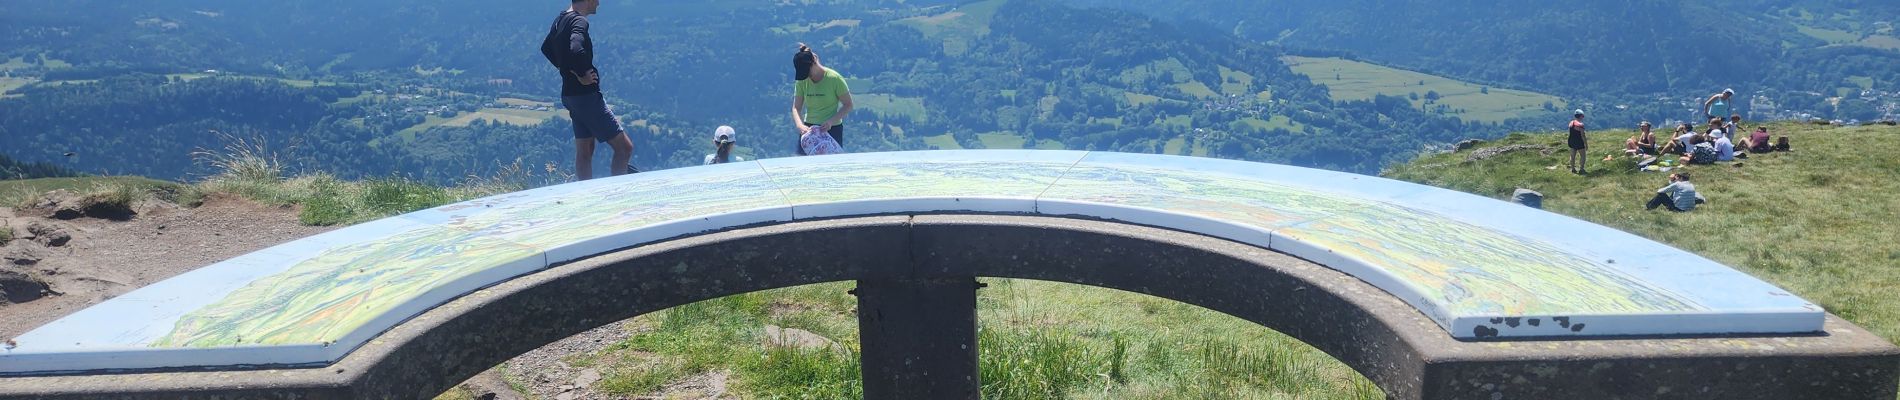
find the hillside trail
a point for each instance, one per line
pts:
(84, 261)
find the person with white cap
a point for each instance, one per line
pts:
(1718, 106)
(1578, 144)
(723, 142)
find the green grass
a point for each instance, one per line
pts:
(15, 63)
(122, 189)
(524, 102)
(1182, 121)
(1361, 81)
(6, 235)
(53, 63)
(1138, 99)
(957, 28)
(433, 71)
(803, 28)
(1817, 221)
(1175, 146)
(359, 98)
(1196, 89)
(8, 84)
(998, 140)
(1865, 82)
(1039, 340)
(1881, 42)
(1273, 122)
(892, 108)
(429, 121)
(296, 83)
(1828, 35)
(1002, 140)
(943, 142)
(1234, 82)
(510, 116)
(249, 171)
(1166, 71)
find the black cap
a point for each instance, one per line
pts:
(802, 63)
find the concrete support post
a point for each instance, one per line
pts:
(919, 338)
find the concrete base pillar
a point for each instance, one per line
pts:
(918, 338)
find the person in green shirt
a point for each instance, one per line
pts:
(820, 98)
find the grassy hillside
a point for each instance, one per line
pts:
(1818, 221)
(1354, 80)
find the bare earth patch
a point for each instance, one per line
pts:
(101, 259)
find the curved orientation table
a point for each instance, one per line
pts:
(1480, 268)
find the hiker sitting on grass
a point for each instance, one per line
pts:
(1679, 145)
(1758, 142)
(1679, 196)
(1700, 151)
(1724, 150)
(1642, 144)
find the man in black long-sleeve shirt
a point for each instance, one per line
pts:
(570, 49)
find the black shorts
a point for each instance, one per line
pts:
(591, 117)
(1577, 142)
(837, 133)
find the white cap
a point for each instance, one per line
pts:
(723, 134)
(1579, 112)
(1728, 91)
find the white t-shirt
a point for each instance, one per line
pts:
(735, 158)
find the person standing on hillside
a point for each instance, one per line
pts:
(1719, 106)
(820, 99)
(570, 48)
(1578, 144)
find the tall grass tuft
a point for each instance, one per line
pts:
(241, 159)
(1036, 363)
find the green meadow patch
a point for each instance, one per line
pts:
(958, 27)
(1352, 80)
(891, 107)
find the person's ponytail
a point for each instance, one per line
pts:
(723, 154)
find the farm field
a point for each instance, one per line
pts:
(1353, 80)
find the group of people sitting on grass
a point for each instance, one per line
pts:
(1721, 142)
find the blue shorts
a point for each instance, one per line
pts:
(591, 117)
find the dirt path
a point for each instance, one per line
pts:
(102, 259)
